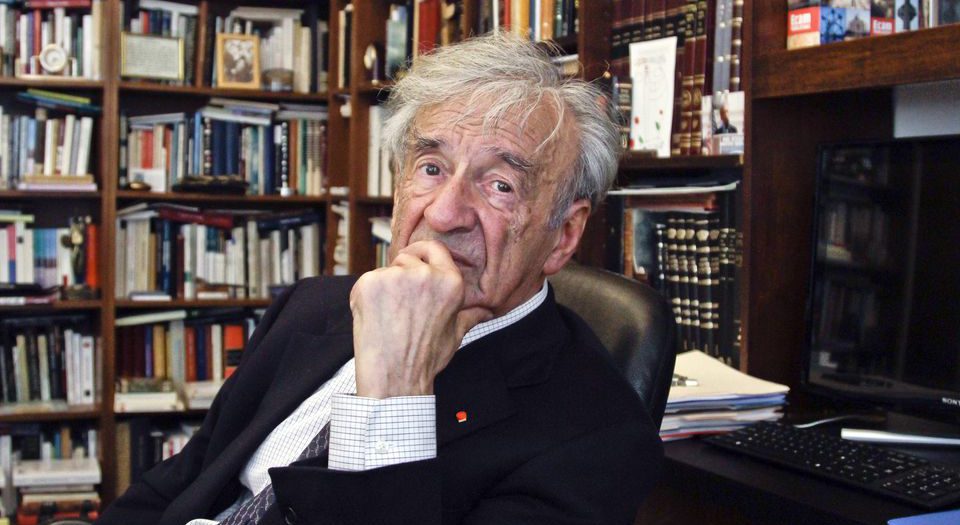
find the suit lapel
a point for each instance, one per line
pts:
(473, 392)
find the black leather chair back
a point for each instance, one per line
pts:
(632, 320)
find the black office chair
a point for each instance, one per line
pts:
(632, 320)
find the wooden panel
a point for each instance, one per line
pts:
(769, 26)
(252, 94)
(211, 198)
(594, 37)
(905, 58)
(781, 182)
(633, 162)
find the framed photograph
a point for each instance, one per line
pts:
(150, 56)
(238, 61)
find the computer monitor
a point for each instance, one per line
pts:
(883, 315)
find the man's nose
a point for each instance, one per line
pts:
(452, 208)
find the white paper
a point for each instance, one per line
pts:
(652, 68)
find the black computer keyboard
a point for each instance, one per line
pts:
(908, 478)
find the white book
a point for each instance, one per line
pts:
(310, 250)
(21, 380)
(380, 228)
(373, 151)
(227, 115)
(70, 471)
(96, 11)
(24, 39)
(59, 14)
(127, 402)
(266, 14)
(68, 125)
(46, 34)
(43, 358)
(4, 13)
(66, 35)
(176, 358)
(49, 146)
(266, 267)
(253, 260)
(216, 351)
(23, 254)
(87, 24)
(8, 495)
(83, 151)
(86, 369)
(172, 7)
(386, 173)
(200, 243)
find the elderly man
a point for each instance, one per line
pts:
(448, 387)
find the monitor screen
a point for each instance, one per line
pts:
(884, 305)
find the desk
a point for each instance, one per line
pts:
(704, 485)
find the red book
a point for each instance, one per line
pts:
(506, 15)
(50, 4)
(146, 148)
(139, 368)
(429, 25)
(232, 347)
(93, 247)
(179, 265)
(209, 349)
(190, 357)
(224, 222)
(37, 38)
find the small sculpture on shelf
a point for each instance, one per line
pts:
(78, 241)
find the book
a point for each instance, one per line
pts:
(56, 472)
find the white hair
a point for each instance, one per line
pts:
(509, 75)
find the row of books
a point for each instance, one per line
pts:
(50, 358)
(166, 19)
(816, 22)
(291, 43)
(691, 252)
(272, 148)
(695, 43)
(46, 256)
(538, 20)
(51, 38)
(170, 251)
(141, 444)
(50, 148)
(183, 346)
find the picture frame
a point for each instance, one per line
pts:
(151, 57)
(238, 61)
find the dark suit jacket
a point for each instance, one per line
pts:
(553, 433)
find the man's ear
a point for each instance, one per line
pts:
(568, 236)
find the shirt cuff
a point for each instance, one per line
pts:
(368, 433)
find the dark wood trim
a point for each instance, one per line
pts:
(204, 91)
(128, 304)
(869, 63)
(54, 306)
(640, 163)
(28, 412)
(127, 195)
(45, 194)
(53, 83)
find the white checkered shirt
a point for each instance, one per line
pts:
(365, 433)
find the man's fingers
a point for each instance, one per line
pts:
(434, 253)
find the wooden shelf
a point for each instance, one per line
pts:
(182, 303)
(93, 304)
(255, 94)
(196, 412)
(127, 195)
(375, 89)
(58, 83)
(27, 195)
(22, 412)
(633, 163)
(868, 63)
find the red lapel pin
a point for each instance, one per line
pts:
(461, 416)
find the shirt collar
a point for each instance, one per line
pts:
(507, 319)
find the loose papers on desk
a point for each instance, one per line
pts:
(723, 400)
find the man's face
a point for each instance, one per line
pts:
(487, 195)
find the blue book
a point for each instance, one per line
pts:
(201, 352)
(148, 350)
(166, 257)
(268, 162)
(232, 147)
(219, 146)
(197, 168)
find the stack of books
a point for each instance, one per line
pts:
(272, 148)
(56, 38)
(65, 484)
(49, 150)
(382, 237)
(141, 445)
(709, 397)
(141, 394)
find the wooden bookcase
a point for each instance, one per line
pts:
(795, 100)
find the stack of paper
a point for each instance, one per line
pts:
(716, 398)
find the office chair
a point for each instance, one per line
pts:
(632, 320)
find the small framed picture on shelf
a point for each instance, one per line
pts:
(151, 57)
(238, 61)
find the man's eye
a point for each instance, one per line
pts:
(502, 187)
(432, 170)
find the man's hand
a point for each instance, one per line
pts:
(408, 320)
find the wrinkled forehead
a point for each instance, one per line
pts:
(535, 129)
